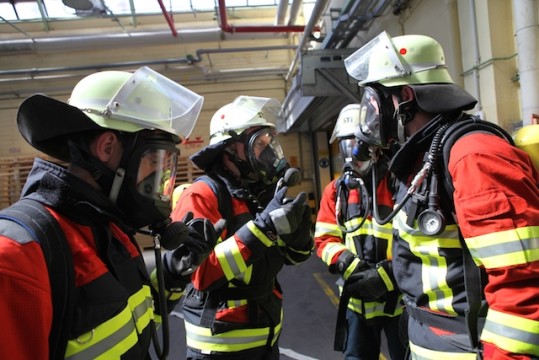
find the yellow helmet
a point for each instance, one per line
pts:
(402, 60)
(115, 100)
(527, 139)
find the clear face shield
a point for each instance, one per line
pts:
(153, 101)
(266, 155)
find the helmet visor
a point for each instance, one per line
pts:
(377, 60)
(156, 174)
(153, 101)
(266, 154)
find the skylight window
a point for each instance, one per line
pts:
(56, 9)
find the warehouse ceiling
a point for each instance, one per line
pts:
(313, 35)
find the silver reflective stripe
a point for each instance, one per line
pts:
(506, 331)
(107, 344)
(229, 256)
(227, 340)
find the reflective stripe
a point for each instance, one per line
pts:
(326, 229)
(141, 304)
(372, 309)
(259, 234)
(505, 248)
(107, 341)
(419, 353)
(385, 278)
(350, 269)
(236, 340)
(330, 250)
(229, 256)
(383, 231)
(512, 333)
(434, 266)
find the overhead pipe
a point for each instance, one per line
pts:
(189, 60)
(527, 36)
(168, 18)
(226, 27)
(317, 12)
(294, 11)
(282, 8)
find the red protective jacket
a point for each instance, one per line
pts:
(496, 198)
(235, 288)
(112, 305)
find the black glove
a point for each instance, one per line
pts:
(371, 284)
(281, 219)
(303, 235)
(183, 261)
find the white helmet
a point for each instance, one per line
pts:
(244, 113)
(347, 122)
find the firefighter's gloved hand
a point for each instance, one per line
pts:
(302, 238)
(372, 284)
(279, 218)
(181, 262)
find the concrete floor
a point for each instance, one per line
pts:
(310, 310)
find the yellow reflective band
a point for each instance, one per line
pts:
(350, 269)
(512, 333)
(235, 340)
(382, 231)
(372, 308)
(326, 229)
(448, 239)
(365, 229)
(419, 353)
(259, 234)
(385, 278)
(107, 341)
(246, 275)
(505, 248)
(329, 251)
(141, 304)
(229, 256)
(434, 267)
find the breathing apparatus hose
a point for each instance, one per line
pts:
(428, 167)
(162, 353)
(365, 201)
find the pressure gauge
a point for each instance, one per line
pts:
(431, 222)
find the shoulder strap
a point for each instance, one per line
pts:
(458, 129)
(43, 227)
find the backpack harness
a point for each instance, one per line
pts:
(34, 219)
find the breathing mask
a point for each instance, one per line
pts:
(143, 184)
(266, 161)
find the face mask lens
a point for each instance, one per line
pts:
(369, 118)
(265, 153)
(346, 147)
(156, 174)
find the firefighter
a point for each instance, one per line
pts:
(118, 135)
(470, 282)
(233, 306)
(353, 245)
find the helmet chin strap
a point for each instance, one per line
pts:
(404, 113)
(119, 177)
(80, 157)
